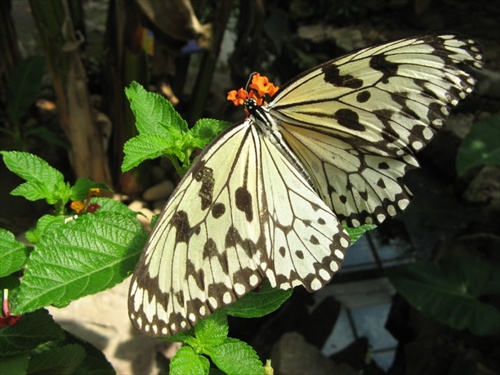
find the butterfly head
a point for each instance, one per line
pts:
(256, 94)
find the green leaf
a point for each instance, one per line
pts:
(183, 336)
(32, 330)
(24, 87)
(481, 146)
(148, 146)
(42, 181)
(85, 256)
(449, 291)
(236, 357)
(13, 254)
(81, 189)
(15, 364)
(213, 329)
(186, 361)
(153, 113)
(58, 361)
(206, 129)
(45, 223)
(94, 363)
(111, 205)
(257, 304)
(356, 233)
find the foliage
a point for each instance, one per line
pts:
(452, 291)
(22, 90)
(481, 146)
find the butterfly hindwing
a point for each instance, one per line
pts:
(356, 121)
(240, 214)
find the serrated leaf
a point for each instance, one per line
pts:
(236, 357)
(42, 181)
(205, 130)
(111, 205)
(449, 291)
(356, 233)
(13, 254)
(481, 146)
(58, 361)
(24, 87)
(45, 223)
(153, 113)
(32, 330)
(259, 303)
(183, 336)
(148, 146)
(87, 255)
(186, 361)
(213, 329)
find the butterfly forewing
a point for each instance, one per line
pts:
(354, 122)
(241, 213)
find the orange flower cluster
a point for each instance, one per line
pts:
(80, 206)
(260, 89)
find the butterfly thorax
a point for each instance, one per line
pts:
(267, 125)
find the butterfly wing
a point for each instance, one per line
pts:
(240, 214)
(355, 122)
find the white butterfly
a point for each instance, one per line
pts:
(267, 198)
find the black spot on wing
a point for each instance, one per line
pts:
(206, 177)
(180, 222)
(243, 200)
(333, 76)
(388, 69)
(349, 118)
(363, 96)
(218, 210)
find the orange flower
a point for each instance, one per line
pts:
(77, 206)
(259, 90)
(262, 85)
(237, 97)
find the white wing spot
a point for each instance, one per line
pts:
(391, 210)
(344, 243)
(403, 203)
(254, 280)
(324, 275)
(334, 266)
(155, 329)
(227, 298)
(183, 324)
(427, 133)
(239, 289)
(339, 254)
(203, 311)
(146, 328)
(213, 302)
(164, 331)
(417, 145)
(381, 217)
(355, 223)
(192, 317)
(316, 284)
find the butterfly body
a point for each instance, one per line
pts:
(267, 198)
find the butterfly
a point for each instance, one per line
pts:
(270, 196)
